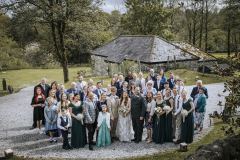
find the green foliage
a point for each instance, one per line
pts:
(146, 18)
(232, 87)
(11, 55)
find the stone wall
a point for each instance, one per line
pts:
(103, 68)
(99, 66)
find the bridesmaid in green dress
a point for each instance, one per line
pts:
(78, 137)
(169, 129)
(188, 121)
(159, 121)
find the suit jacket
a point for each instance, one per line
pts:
(44, 91)
(156, 86)
(171, 83)
(138, 106)
(72, 91)
(98, 92)
(195, 91)
(90, 113)
(119, 89)
(113, 104)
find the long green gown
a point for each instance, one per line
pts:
(104, 138)
(159, 123)
(78, 137)
(187, 129)
(168, 129)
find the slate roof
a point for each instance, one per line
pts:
(195, 51)
(146, 49)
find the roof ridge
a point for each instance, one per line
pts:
(137, 36)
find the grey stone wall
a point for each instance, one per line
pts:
(99, 66)
(103, 68)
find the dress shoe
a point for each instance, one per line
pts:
(90, 148)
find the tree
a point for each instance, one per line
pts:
(11, 55)
(57, 15)
(146, 17)
(232, 21)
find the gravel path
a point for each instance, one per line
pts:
(16, 119)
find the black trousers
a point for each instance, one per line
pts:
(138, 128)
(91, 130)
(65, 138)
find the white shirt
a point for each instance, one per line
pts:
(178, 104)
(80, 85)
(65, 119)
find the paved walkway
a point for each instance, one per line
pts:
(16, 119)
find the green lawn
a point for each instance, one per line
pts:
(26, 77)
(220, 55)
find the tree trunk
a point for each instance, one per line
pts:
(194, 31)
(229, 41)
(206, 28)
(201, 25)
(190, 33)
(65, 71)
(58, 30)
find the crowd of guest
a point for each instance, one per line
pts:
(120, 111)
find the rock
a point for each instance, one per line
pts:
(8, 153)
(183, 147)
(226, 149)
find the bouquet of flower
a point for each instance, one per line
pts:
(123, 111)
(80, 117)
(184, 114)
(167, 109)
(158, 111)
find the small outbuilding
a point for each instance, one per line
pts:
(136, 52)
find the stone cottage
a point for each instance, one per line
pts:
(125, 52)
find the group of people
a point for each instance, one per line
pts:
(119, 112)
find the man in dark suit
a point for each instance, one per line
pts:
(44, 86)
(45, 90)
(98, 91)
(195, 90)
(157, 83)
(171, 81)
(138, 109)
(119, 85)
(129, 77)
(73, 89)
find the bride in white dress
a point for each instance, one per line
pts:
(124, 129)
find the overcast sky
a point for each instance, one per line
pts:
(110, 5)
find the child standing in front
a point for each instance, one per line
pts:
(63, 123)
(103, 127)
(50, 114)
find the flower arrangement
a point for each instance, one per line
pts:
(80, 117)
(166, 108)
(158, 111)
(184, 113)
(123, 111)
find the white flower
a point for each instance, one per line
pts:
(166, 108)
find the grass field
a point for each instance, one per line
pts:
(221, 55)
(27, 77)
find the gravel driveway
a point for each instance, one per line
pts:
(16, 119)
